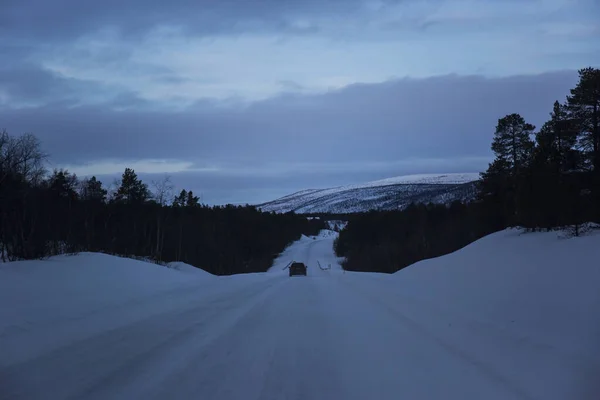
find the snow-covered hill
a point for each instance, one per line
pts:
(385, 194)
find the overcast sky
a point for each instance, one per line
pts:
(245, 101)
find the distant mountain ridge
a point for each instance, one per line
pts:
(385, 194)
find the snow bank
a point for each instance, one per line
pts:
(183, 267)
(73, 286)
(535, 283)
(522, 308)
(526, 305)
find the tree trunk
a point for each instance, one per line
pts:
(157, 248)
(180, 240)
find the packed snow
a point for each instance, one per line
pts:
(511, 316)
(312, 251)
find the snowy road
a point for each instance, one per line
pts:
(329, 335)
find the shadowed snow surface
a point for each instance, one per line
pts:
(508, 317)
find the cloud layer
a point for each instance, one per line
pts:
(242, 100)
(364, 131)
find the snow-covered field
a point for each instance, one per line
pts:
(509, 317)
(385, 194)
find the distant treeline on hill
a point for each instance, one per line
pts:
(43, 215)
(539, 180)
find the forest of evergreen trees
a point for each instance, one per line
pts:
(43, 215)
(538, 180)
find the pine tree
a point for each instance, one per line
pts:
(556, 141)
(584, 106)
(512, 142)
(132, 190)
(504, 183)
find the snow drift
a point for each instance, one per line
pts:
(524, 306)
(535, 283)
(73, 284)
(38, 295)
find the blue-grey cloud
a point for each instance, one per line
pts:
(26, 84)
(64, 18)
(243, 99)
(181, 51)
(362, 132)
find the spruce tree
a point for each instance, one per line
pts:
(192, 201)
(496, 190)
(92, 190)
(180, 199)
(63, 183)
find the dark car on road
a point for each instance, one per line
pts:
(297, 268)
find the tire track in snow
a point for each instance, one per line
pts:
(119, 354)
(449, 347)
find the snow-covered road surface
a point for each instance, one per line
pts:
(330, 335)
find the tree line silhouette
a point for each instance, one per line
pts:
(45, 214)
(538, 180)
